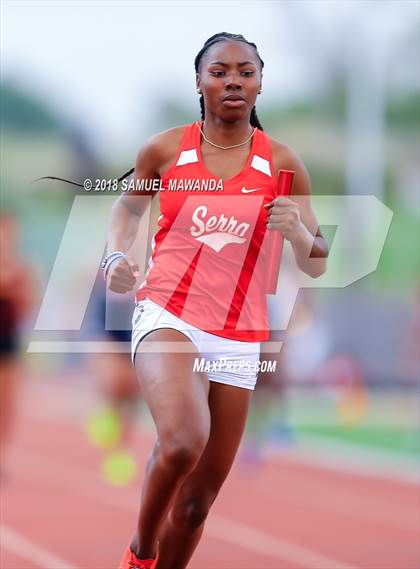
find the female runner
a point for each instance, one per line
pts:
(202, 288)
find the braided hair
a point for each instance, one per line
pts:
(225, 36)
(222, 36)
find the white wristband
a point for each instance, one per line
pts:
(109, 259)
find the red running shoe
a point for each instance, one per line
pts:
(131, 561)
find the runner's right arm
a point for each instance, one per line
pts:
(125, 216)
(153, 160)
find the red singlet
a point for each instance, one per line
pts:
(209, 253)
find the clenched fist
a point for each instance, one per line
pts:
(284, 215)
(122, 275)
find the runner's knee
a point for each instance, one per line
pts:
(183, 453)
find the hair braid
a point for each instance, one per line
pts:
(202, 108)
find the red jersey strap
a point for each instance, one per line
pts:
(263, 149)
(188, 143)
(190, 140)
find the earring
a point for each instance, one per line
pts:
(199, 91)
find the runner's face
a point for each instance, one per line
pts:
(229, 78)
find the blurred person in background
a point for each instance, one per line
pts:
(17, 299)
(308, 342)
(306, 346)
(200, 416)
(118, 384)
(268, 420)
(111, 425)
(308, 360)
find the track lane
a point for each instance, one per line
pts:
(296, 510)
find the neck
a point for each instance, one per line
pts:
(226, 133)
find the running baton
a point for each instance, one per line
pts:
(284, 186)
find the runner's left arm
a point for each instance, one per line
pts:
(295, 217)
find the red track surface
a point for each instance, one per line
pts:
(57, 511)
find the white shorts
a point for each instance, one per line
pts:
(225, 361)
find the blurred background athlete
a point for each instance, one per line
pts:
(203, 288)
(17, 299)
(112, 423)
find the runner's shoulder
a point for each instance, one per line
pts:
(284, 156)
(161, 148)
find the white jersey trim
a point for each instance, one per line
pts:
(187, 157)
(261, 164)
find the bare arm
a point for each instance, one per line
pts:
(296, 219)
(125, 216)
(127, 210)
(153, 160)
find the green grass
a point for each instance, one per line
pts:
(404, 441)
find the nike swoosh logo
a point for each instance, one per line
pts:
(245, 191)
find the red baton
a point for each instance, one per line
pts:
(275, 242)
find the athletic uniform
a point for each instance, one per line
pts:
(206, 274)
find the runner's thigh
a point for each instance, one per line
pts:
(229, 409)
(176, 395)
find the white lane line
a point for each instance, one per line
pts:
(257, 541)
(20, 546)
(345, 457)
(350, 503)
(217, 526)
(313, 494)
